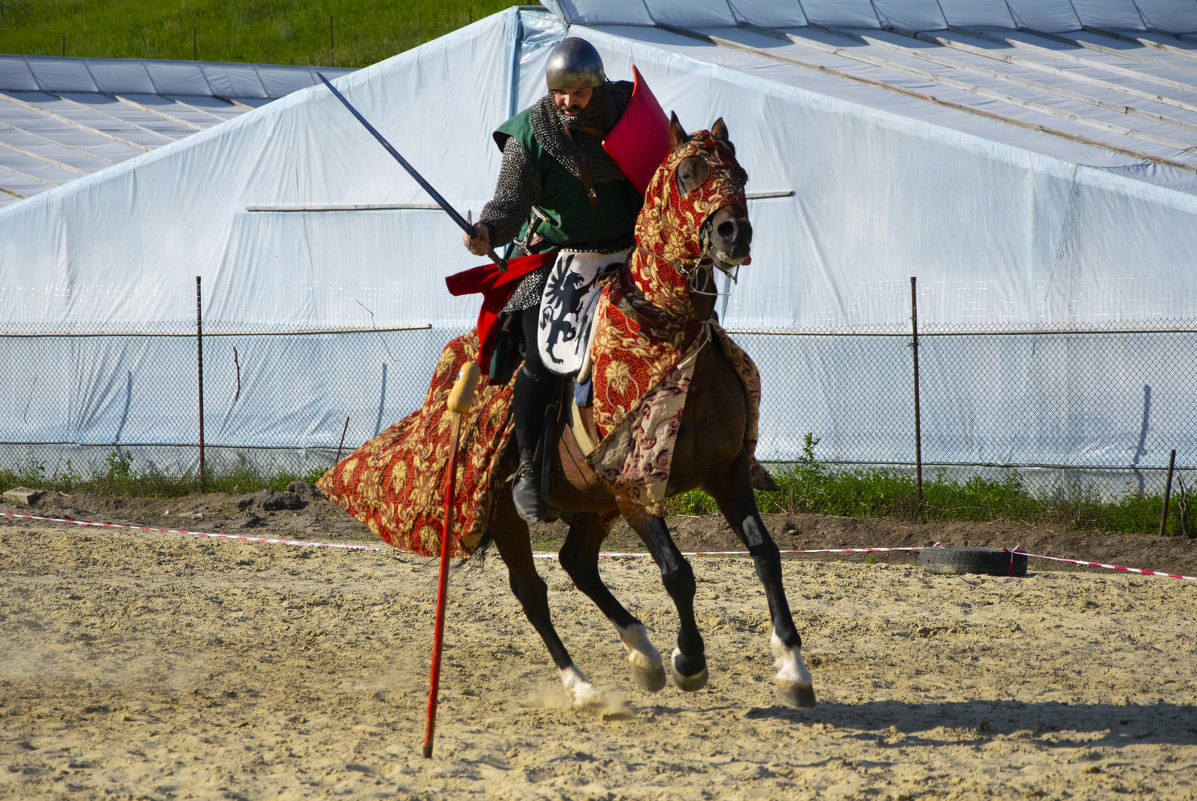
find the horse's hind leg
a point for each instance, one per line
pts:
(689, 662)
(510, 534)
(734, 495)
(579, 558)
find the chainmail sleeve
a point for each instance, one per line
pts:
(517, 189)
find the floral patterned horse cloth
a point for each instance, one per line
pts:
(648, 335)
(396, 482)
(646, 345)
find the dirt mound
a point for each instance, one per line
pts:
(315, 518)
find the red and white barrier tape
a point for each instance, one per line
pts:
(605, 554)
(615, 555)
(345, 546)
(1112, 567)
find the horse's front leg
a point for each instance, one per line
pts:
(689, 663)
(579, 557)
(734, 495)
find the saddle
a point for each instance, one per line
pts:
(634, 457)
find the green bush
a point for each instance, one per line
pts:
(811, 486)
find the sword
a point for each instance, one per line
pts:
(440, 201)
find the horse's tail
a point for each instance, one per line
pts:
(477, 559)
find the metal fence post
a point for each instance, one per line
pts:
(1167, 493)
(342, 445)
(918, 425)
(199, 348)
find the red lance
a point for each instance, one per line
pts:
(460, 399)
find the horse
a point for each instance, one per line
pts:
(702, 177)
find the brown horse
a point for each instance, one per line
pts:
(709, 452)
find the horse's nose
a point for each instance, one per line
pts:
(735, 234)
(736, 229)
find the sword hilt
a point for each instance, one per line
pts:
(502, 265)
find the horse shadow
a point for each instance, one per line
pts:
(1064, 725)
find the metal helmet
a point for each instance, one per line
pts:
(574, 63)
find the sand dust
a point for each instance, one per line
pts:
(137, 665)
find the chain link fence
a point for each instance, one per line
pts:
(1101, 407)
(1101, 410)
(274, 402)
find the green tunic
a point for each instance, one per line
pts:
(571, 219)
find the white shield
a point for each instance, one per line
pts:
(570, 296)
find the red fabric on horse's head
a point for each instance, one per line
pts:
(669, 224)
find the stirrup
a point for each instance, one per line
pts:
(525, 491)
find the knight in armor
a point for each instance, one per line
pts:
(558, 189)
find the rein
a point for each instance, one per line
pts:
(705, 261)
(695, 274)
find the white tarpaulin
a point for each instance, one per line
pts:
(61, 118)
(892, 139)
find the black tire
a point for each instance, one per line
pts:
(986, 561)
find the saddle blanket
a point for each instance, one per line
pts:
(396, 483)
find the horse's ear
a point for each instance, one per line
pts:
(719, 130)
(677, 134)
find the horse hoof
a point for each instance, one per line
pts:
(648, 671)
(794, 686)
(649, 680)
(796, 696)
(587, 696)
(687, 683)
(580, 691)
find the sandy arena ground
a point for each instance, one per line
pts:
(139, 665)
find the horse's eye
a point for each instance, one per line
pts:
(691, 174)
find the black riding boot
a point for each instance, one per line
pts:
(529, 401)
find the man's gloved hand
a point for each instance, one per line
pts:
(478, 240)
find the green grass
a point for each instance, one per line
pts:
(807, 486)
(258, 31)
(118, 478)
(810, 486)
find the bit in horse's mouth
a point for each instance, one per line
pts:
(724, 262)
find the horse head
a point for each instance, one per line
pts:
(695, 213)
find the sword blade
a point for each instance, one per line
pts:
(435, 195)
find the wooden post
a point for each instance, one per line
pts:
(199, 348)
(1167, 492)
(343, 430)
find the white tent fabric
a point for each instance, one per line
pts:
(1048, 16)
(61, 118)
(975, 144)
